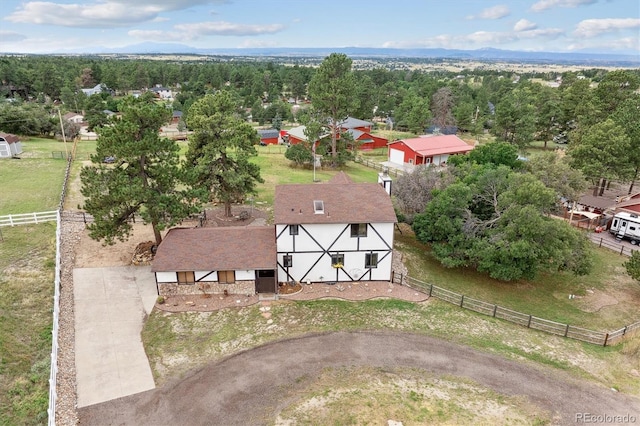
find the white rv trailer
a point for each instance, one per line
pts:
(626, 226)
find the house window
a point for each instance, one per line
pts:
(358, 229)
(186, 277)
(371, 260)
(293, 229)
(411, 161)
(337, 260)
(287, 261)
(226, 277)
(632, 228)
(318, 206)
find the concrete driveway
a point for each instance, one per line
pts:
(110, 307)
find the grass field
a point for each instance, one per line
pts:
(31, 185)
(27, 261)
(607, 299)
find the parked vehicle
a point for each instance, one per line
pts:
(626, 226)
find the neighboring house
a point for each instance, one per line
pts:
(231, 260)
(98, 88)
(73, 117)
(162, 92)
(426, 150)
(356, 124)
(367, 141)
(10, 145)
(269, 136)
(338, 231)
(296, 135)
(364, 138)
(446, 130)
(176, 117)
(628, 203)
(330, 232)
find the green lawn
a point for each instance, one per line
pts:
(31, 184)
(607, 299)
(27, 254)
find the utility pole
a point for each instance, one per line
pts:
(64, 138)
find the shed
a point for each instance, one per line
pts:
(10, 145)
(269, 136)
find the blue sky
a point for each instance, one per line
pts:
(599, 26)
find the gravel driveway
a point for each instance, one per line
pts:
(243, 388)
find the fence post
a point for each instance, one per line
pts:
(495, 308)
(529, 323)
(600, 242)
(462, 301)
(566, 331)
(606, 338)
(624, 330)
(401, 278)
(430, 290)
(621, 250)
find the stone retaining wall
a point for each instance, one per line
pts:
(207, 287)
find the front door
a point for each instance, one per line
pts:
(266, 281)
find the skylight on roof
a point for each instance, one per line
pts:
(318, 206)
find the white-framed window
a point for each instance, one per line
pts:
(337, 260)
(287, 261)
(293, 229)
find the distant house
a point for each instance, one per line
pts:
(162, 92)
(628, 203)
(367, 141)
(446, 130)
(359, 130)
(10, 145)
(176, 117)
(73, 117)
(426, 150)
(269, 136)
(98, 88)
(356, 124)
(296, 135)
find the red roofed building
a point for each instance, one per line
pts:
(426, 150)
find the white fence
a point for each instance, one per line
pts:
(51, 411)
(26, 218)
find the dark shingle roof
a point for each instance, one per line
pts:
(268, 133)
(343, 203)
(216, 249)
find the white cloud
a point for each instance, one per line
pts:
(102, 14)
(10, 36)
(621, 44)
(227, 29)
(550, 4)
(524, 25)
(495, 12)
(594, 27)
(480, 39)
(185, 32)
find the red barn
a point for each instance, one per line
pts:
(269, 136)
(367, 141)
(427, 150)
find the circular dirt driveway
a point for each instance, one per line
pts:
(246, 388)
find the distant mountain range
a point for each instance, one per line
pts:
(480, 54)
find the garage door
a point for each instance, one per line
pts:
(396, 156)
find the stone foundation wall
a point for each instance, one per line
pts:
(208, 287)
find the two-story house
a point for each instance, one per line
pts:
(339, 231)
(323, 232)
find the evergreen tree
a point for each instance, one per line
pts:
(220, 148)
